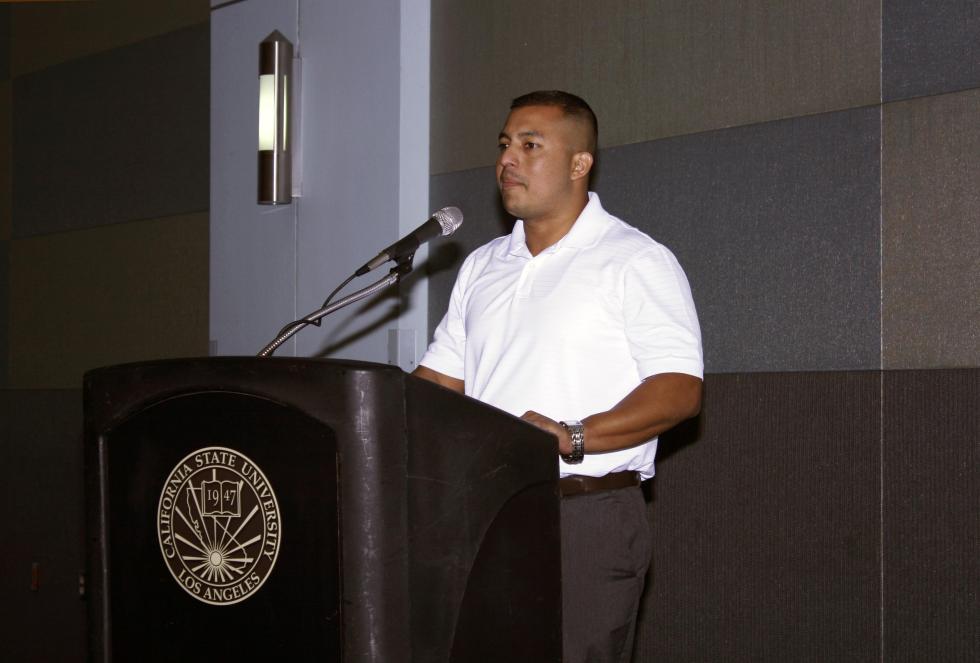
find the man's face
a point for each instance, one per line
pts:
(534, 167)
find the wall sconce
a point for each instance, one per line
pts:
(275, 83)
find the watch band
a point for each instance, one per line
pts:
(576, 430)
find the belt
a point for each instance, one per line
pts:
(578, 484)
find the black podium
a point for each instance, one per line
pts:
(314, 510)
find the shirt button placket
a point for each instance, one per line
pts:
(526, 281)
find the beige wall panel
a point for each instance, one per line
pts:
(650, 69)
(43, 34)
(108, 295)
(6, 103)
(931, 232)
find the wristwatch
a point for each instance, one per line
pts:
(576, 430)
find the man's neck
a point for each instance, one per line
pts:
(544, 231)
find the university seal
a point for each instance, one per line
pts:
(219, 525)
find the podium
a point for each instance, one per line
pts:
(314, 510)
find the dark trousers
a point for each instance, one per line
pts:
(606, 547)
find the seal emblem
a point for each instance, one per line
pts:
(219, 525)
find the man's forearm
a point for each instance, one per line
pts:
(656, 405)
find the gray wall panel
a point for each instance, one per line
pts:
(650, 69)
(351, 169)
(776, 225)
(766, 524)
(929, 47)
(41, 489)
(116, 136)
(931, 233)
(931, 516)
(252, 257)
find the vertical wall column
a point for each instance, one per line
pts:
(364, 135)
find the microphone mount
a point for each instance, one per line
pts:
(402, 268)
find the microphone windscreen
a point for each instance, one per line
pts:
(449, 218)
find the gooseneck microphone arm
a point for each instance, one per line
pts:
(444, 223)
(397, 272)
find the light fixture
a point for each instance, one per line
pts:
(275, 81)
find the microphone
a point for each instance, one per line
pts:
(444, 222)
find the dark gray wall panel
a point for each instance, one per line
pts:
(116, 136)
(107, 295)
(932, 516)
(931, 233)
(929, 47)
(41, 490)
(777, 226)
(766, 524)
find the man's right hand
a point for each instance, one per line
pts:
(439, 378)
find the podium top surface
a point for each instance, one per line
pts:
(112, 393)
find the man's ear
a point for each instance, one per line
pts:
(581, 165)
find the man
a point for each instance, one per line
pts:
(584, 327)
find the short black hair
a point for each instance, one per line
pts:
(570, 104)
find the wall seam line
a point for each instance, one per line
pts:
(881, 333)
(296, 202)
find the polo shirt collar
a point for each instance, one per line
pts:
(586, 230)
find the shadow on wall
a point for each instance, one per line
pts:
(682, 435)
(679, 437)
(446, 256)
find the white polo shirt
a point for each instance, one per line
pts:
(571, 331)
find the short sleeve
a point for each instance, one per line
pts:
(661, 321)
(446, 354)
